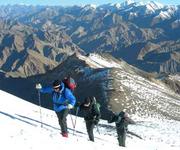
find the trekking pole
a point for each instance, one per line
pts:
(97, 129)
(77, 110)
(72, 121)
(39, 97)
(134, 134)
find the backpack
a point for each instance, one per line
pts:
(120, 116)
(69, 83)
(96, 104)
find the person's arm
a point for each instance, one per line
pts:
(129, 120)
(46, 90)
(113, 118)
(77, 106)
(81, 107)
(71, 98)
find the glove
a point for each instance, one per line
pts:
(96, 121)
(77, 104)
(69, 106)
(38, 86)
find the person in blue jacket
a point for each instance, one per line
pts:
(63, 101)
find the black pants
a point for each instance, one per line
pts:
(90, 127)
(62, 119)
(121, 137)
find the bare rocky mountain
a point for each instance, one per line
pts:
(144, 35)
(173, 81)
(116, 85)
(26, 51)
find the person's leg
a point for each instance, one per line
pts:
(62, 120)
(122, 139)
(90, 127)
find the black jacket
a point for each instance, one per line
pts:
(91, 112)
(121, 120)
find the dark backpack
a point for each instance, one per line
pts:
(69, 83)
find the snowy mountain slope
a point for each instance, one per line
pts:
(173, 81)
(117, 86)
(133, 90)
(144, 97)
(97, 61)
(20, 128)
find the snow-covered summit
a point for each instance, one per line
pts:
(117, 5)
(166, 14)
(89, 7)
(127, 2)
(131, 6)
(153, 6)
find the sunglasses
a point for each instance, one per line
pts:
(56, 88)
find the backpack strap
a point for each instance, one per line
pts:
(64, 93)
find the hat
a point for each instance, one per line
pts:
(122, 114)
(87, 100)
(56, 84)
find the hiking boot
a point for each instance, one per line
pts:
(65, 134)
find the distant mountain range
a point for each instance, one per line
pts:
(26, 51)
(35, 39)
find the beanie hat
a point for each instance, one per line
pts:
(56, 84)
(87, 100)
(122, 114)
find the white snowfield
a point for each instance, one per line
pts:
(20, 128)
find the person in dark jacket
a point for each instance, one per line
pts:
(122, 120)
(63, 101)
(91, 113)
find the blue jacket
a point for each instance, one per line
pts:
(60, 99)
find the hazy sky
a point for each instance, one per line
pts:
(76, 2)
